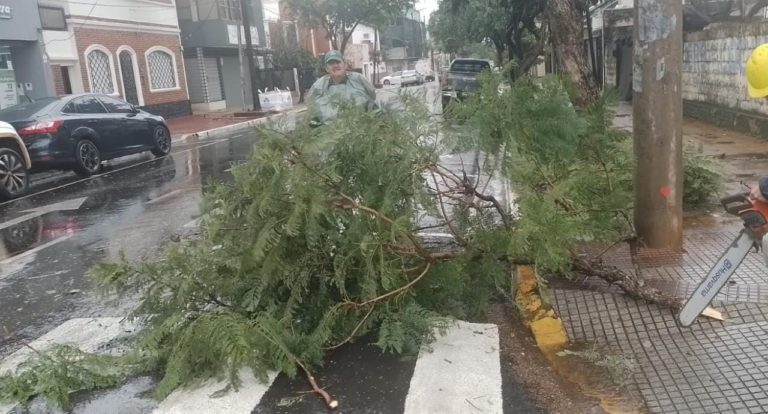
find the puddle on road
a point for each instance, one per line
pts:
(596, 382)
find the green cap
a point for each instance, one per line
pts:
(333, 55)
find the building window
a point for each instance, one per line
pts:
(184, 9)
(161, 65)
(219, 9)
(366, 35)
(101, 73)
(229, 10)
(52, 18)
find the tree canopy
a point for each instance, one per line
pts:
(340, 18)
(512, 27)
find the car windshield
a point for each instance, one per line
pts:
(470, 66)
(26, 110)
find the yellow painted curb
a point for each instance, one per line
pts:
(547, 328)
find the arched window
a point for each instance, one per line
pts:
(101, 70)
(161, 66)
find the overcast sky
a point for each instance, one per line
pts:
(425, 7)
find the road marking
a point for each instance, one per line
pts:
(459, 373)
(111, 172)
(198, 400)
(88, 334)
(13, 264)
(171, 194)
(73, 204)
(462, 373)
(194, 223)
(436, 235)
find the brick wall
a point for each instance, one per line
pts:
(58, 80)
(140, 42)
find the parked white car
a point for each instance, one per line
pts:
(14, 163)
(402, 78)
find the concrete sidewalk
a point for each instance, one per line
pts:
(712, 367)
(210, 125)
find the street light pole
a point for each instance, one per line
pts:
(240, 61)
(657, 123)
(246, 12)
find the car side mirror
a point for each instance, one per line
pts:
(134, 109)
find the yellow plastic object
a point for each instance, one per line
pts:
(757, 72)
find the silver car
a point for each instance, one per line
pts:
(14, 163)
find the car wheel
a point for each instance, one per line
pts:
(162, 141)
(87, 158)
(14, 177)
(387, 83)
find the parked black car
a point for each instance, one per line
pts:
(78, 132)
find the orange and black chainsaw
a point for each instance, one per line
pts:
(754, 214)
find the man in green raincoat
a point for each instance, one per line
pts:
(339, 87)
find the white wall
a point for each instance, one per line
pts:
(714, 64)
(136, 11)
(60, 46)
(359, 35)
(271, 9)
(357, 55)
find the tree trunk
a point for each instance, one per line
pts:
(346, 36)
(567, 31)
(592, 57)
(499, 56)
(531, 59)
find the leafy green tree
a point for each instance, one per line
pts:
(510, 26)
(340, 18)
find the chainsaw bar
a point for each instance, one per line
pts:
(716, 278)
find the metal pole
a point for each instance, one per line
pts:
(657, 123)
(252, 68)
(376, 56)
(240, 59)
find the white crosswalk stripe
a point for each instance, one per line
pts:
(198, 401)
(88, 334)
(458, 374)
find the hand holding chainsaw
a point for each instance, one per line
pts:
(752, 208)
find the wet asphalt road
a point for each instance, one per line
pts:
(50, 239)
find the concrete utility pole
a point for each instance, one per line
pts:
(657, 123)
(246, 11)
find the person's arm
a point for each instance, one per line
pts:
(760, 191)
(369, 89)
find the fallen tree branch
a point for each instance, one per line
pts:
(447, 219)
(330, 402)
(393, 292)
(354, 331)
(629, 285)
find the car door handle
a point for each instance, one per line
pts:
(92, 121)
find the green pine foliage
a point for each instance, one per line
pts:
(310, 246)
(703, 178)
(62, 370)
(313, 244)
(570, 169)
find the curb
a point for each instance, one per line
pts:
(215, 132)
(546, 326)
